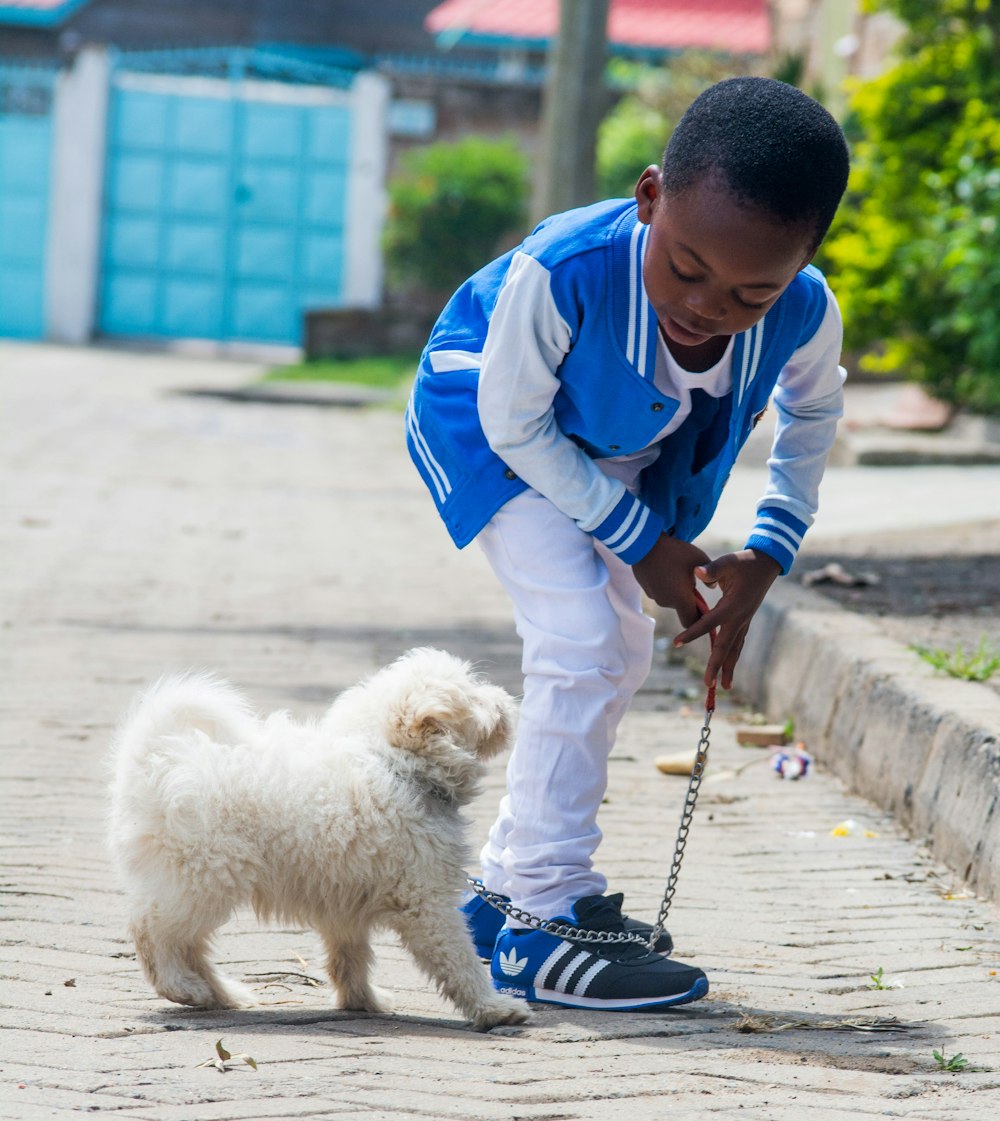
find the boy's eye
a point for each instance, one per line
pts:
(752, 307)
(683, 276)
(697, 280)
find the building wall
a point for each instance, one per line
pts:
(134, 225)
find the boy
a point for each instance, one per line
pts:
(577, 410)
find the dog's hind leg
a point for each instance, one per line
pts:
(173, 950)
(439, 941)
(349, 961)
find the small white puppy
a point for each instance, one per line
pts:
(346, 824)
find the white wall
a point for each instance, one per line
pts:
(366, 190)
(80, 114)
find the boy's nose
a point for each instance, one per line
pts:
(706, 307)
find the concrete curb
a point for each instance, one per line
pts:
(923, 746)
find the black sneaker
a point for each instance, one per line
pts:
(538, 966)
(485, 922)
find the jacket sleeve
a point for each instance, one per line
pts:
(528, 338)
(809, 400)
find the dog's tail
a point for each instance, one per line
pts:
(177, 719)
(182, 705)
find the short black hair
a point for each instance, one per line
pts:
(772, 146)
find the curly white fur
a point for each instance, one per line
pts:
(345, 824)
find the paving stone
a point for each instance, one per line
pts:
(292, 550)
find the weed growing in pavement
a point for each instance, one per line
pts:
(955, 1063)
(979, 665)
(880, 981)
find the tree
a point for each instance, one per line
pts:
(914, 255)
(573, 105)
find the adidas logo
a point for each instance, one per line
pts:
(513, 990)
(511, 964)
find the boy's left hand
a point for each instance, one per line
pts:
(744, 578)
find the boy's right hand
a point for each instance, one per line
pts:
(666, 575)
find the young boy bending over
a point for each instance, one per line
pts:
(578, 409)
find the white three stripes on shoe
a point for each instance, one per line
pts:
(578, 959)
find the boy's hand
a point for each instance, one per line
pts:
(666, 574)
(744, 578)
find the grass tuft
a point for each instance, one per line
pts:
(977, 665)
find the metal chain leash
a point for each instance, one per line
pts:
(606, 937)
(687, 816)
(551, 926)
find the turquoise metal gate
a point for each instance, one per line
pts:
(25, 174)
(225, 206)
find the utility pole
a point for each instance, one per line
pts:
(573, 105)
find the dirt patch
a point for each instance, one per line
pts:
(938, 589)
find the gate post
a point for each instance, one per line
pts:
(79, 144)
(366, 193)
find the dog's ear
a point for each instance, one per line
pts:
(496, 720)
(422, 714)
(434, 725)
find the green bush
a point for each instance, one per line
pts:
(449, 207)
(914, 255)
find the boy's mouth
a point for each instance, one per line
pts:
(682, 334)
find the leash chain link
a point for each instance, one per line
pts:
(607, 937)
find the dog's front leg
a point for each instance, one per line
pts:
(440, 943)
(349, 962)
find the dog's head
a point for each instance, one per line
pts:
(446, 717)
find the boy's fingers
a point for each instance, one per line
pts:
(717, 662)
(696, 630)
(706, 575)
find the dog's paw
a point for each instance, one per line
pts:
(504, 1010)
(371, 1000)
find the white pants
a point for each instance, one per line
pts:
(587, 649)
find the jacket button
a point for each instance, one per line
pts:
(614, 447)
(657, 406)
(508, 474)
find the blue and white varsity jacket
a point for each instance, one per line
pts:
(542, 363)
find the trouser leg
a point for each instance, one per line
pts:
(587, 649)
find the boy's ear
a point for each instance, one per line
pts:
(647, 191)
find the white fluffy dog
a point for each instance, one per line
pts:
(345, 824)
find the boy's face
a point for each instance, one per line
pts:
(713, 267)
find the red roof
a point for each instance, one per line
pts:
(732, 26)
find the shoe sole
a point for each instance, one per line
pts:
(625, 1004)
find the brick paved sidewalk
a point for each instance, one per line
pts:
(291, 549)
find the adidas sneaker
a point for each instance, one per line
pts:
(485, 922)
(537, 966)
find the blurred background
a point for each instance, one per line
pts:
(317, 175)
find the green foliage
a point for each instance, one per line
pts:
(381, 371)
(979, 665)
(635, 132)
(914, 255)
(450, 205)
(955, 1063)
